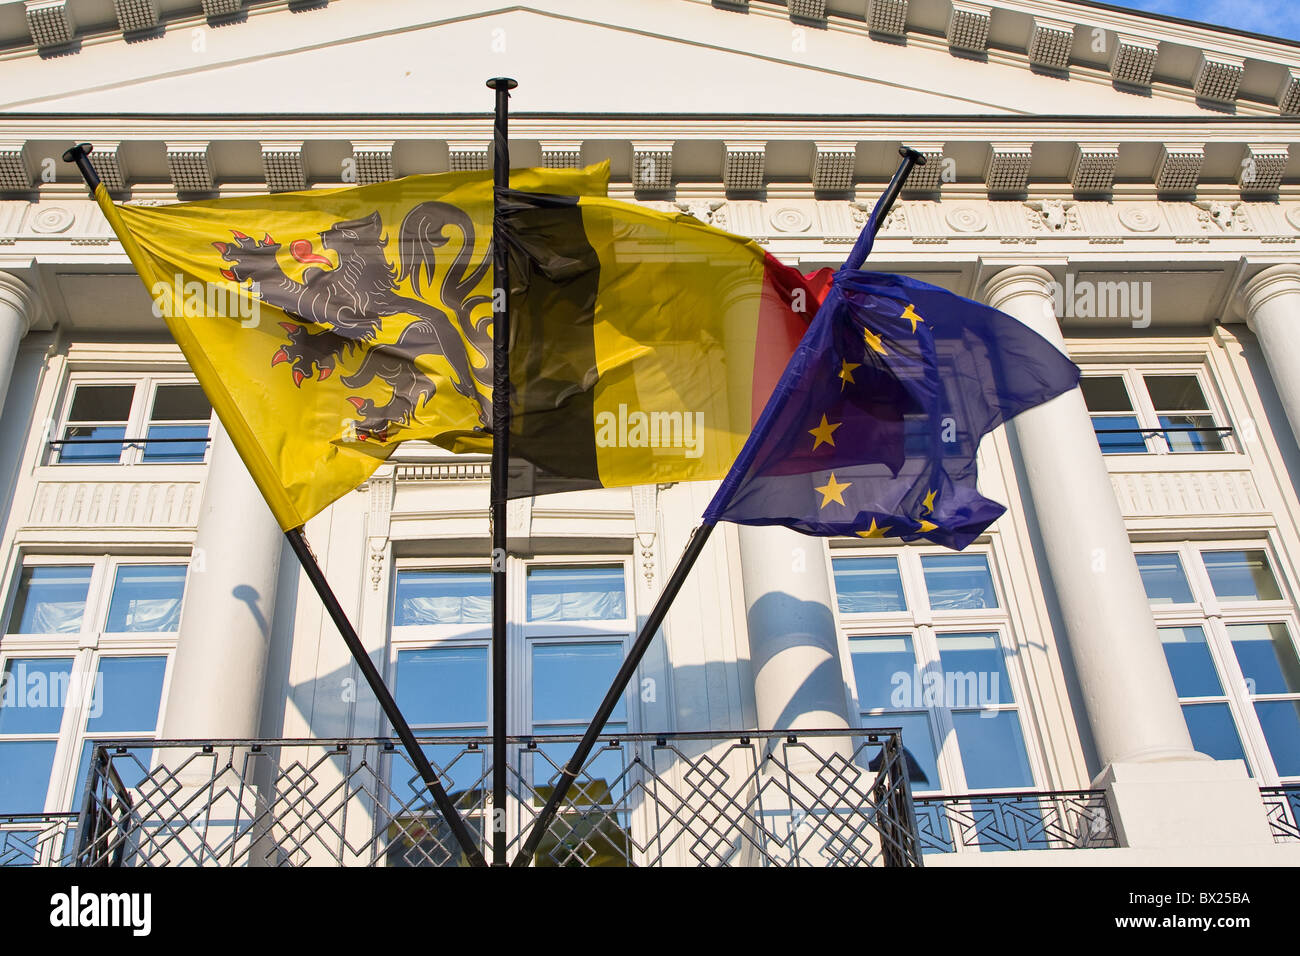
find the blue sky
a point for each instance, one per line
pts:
(1279, 18)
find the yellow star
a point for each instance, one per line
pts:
(928, 505)
(910, 314)
(846, 373)
(927, 525)
(823, 433)
(873, 340)
(833, 491)
(875, 531)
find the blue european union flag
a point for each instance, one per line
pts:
(873, 428)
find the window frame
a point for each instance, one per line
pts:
(1133, 376)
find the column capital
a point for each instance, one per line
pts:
(1018, 280)
(20, 297)
(1279, 280)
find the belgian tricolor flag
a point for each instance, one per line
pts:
(644, 345)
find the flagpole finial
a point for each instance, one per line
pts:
(916, 156)
(502, 83)
(81, 149)
(79, 156)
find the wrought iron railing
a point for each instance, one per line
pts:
(770, 798)
(1023, 820)
(1283, 807)
(37, 839)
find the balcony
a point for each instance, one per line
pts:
(769, 798)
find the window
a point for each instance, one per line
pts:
(567, 642)
(154, 420)
(84, 657)
(927, 634)
(1138, 412)
(1228, 632)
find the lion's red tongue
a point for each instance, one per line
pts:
(300, 249)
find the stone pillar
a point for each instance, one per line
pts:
(221, 657)
(1271, 303)
(1162, 792)
(17, 309)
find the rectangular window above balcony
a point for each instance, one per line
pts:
(154, 419)
(1137, 411)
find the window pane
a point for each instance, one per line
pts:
(101, 403)
(1190, 663)
(1205, 438)
(180, 403)
(1175, 393)
(132, 767)
(918, 747)
(51, 599)
(973, 671)
(146, 597)
(25, 767)
(20, 847)
(1267, 657)
(576, 594)
(443, 685)
(443, 597)
(1119, 434)
(34, 692)
(958, 581)
(1213, 732)
(570, 680)
(126, 696)
(885, 671)
(1280, 721)
(164, 443)
(1105, 393)
(1241, 575)
(992, 749)
(866, 585)
(1163, 578)
(88, 444)
(459, 768)
(601, 781)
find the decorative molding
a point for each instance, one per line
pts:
(1262, 169)
(104, 504)
(1287, 97)
(833, 166)
(377, 552)
(51, 220)
(743, 165)
(283, 166)
(190, 167)
(807, 9)
(1144, 494)
(450, 471)
(645, 510)
(519, 518)
(1140, 218)
(1218, 76)
(1053, 215)
(968, 26)
(1178, 170)
(136, 16)
(215, 9)
(1223, 216)
(14, 174)
(108, 163)
(372, 161)
(50, 23)
(888, 17)
(1050, 43)
(790, 219)
(652, 166)
(1133, 61)
(1092, 170)
(466, 156)
(561, 154)
(925, 179)
(1007, 170)
(705, 210)
(967, 218)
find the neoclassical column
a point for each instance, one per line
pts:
(17, 309)
(1271, 303)
(1128, 694)
(798, 678)
(221, 656)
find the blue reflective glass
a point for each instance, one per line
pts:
(974, 674)
(1119, 434)
(1163, 578)
(442, 597)
(918, 746)
(127, 693)
(146, 598)
(33, 693)
(1241, 575)
(866, 585)
(162, 446)
(25, 767)
(576, 594)
(1206, 436)
(885, 671)
(570, 680)
(51, 599)
(19, 847)
(131, 767)
(443, 685)
(992, 749)
(1213, 731)
(958, 581)
(600, 782)
(91, 444)
(1280, 721)
(461, 771)
(1267, 656)
(1190, 663)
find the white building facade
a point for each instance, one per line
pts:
(1110, 675)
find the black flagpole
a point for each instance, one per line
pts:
(694, 547)
(500, 461)
(80, 156)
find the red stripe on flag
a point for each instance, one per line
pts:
(788, 303)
